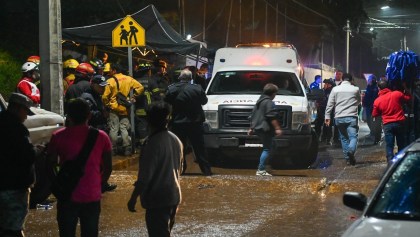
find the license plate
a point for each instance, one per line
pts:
(253, 145)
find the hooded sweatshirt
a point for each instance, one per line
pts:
(262, 113)
(389, 105)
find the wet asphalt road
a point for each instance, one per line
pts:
(235, 202)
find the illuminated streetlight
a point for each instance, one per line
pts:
(188, 36)
(385, 7)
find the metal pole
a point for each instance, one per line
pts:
(132, 121)
(266, 16)
(183, 17)
(228, 25)
(322, 59)
(253, 20)
(50, 51)
(240, 21)
(180, 14)
(277, 21)
(405, 42)
(347, 45)
(285, 23)
(204, 21)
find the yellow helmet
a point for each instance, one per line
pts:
(107, 67)
(70, 63)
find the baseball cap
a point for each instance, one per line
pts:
(328, 81)
(22, 100)
(100, 80)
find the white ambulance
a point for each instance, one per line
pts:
(239, 75)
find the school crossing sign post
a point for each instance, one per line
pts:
(128, 33)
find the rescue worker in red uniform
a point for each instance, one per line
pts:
(27, 86)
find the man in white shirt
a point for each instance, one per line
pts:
(345, 99)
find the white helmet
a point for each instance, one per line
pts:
(29, 66)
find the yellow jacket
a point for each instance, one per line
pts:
(126, 83)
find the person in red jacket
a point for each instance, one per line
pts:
(389, 106)
(27, 86)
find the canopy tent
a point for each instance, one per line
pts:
(160, 36)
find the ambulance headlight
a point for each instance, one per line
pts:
(211, 118)
(299, 119)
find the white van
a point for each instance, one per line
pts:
(239, 75)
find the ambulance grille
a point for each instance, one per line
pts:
(239, 116)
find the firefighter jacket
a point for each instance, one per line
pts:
(126, 83)
(26, 86)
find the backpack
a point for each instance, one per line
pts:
(121, 98)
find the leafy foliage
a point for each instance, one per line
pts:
(9, 73)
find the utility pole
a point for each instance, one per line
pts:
(277, 22)
(347, 29)
(285, 23)
(266, 19)
(253, 20)
(50, 51)
(240, 21)
(204, 21)
(183, 17)
(228, 26)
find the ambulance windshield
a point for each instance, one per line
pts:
(253, 82)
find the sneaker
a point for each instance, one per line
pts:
(351, 160)
(262, 173)
(108, 187)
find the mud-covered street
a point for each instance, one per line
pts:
(235, 202)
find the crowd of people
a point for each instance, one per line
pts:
(389, 109)
(99, 96)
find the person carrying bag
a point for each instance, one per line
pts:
(68, 175)
(85, 156)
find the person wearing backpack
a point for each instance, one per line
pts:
(116, 99)
(68, 144)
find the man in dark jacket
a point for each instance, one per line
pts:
(99, 114)
(264, 124)
(93, 96)
(370, 96)
(17, 157)
(320, 114)
(188, 116)
(84, 73)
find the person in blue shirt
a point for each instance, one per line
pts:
(316, 83)
(370, 95)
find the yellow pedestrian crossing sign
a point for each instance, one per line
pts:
(128, 33)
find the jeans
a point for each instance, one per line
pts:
(267, 141)
(394, 131)
(68, 214)
(159, 221)
(348, 128)
(119, 124)
(13, 210)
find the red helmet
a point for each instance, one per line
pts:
(34, 59)
(85, 69)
